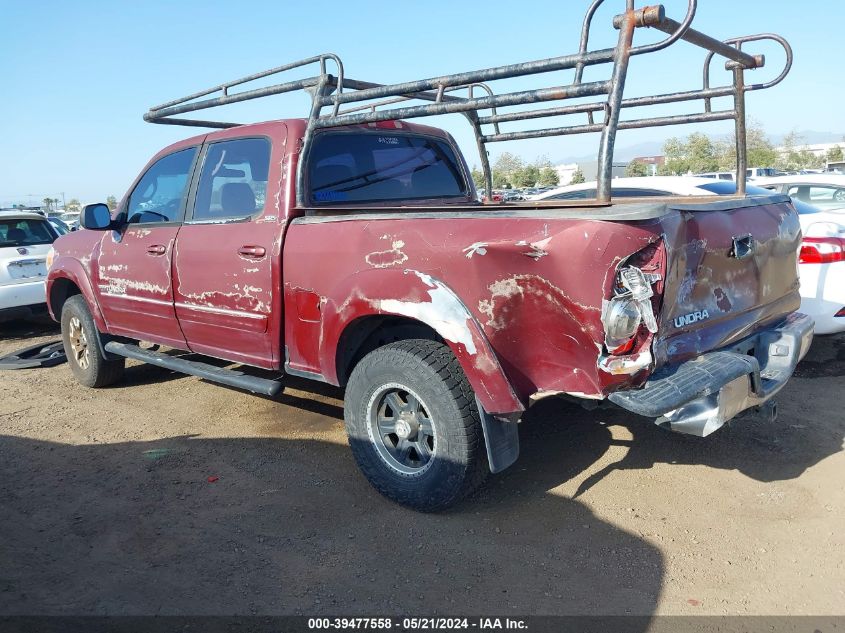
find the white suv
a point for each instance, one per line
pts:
(25, 240)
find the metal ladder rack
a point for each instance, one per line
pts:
(330, 92)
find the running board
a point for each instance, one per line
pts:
(221, 375)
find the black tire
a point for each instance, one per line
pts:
(444, 459)
(79, 336)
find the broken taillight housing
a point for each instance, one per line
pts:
(822, 250)
(629, 308)
(621, 320)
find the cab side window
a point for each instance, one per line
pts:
(581, 194)
(233, 181)
(161, 192)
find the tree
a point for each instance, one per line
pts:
(795, 155)
(636, 168)
(48, 204)
(508, 163)
(74, 205)
(500, 180)
(758, 149)
(476, 174)
(548, 177)
(577, 177)
(697, 155)
(526, 176)
(835, 155)
(111, 201)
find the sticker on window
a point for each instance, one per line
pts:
(388, 140)
(330, 196)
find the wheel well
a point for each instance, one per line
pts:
(364, 335)
(61, 291)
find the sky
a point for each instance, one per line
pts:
(78, 76)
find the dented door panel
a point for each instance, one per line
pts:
(132, 282)
(224, 299)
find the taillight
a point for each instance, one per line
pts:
(630, 307)
(822, 250)
(841, 313)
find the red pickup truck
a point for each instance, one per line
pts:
(351, 249)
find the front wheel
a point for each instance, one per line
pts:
(413, 425)
(79, 335)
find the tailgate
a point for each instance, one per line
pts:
(731, 271)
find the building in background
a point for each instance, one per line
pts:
(588, 168)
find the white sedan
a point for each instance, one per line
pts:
(822, 257)
(25, 240)
(825, 191)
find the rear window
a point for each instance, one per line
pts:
(25, 232)
(378, 167)
(729, 188)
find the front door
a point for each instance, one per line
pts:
(133, 272)
(222, 274)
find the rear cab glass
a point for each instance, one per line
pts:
(25, 232)
(383, 166)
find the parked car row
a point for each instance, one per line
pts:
(25, 240)
(820, 201)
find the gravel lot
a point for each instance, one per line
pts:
(106, 507)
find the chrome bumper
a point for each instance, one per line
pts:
(700, 395)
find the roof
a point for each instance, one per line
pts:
(681, 185)
(21, 215)
(296, 127)
(809, 179)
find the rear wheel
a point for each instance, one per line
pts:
(79, 336)
(413, 425)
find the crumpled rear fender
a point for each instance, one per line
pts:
(420, 297)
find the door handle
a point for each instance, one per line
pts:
(252, 251)
(156, 249)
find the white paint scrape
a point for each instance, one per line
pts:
(445, 312)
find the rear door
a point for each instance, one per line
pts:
(133, 275)
(223, 262)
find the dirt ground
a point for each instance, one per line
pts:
(106, 507)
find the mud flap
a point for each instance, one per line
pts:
(501, 439)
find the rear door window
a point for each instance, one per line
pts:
(382, 166)
(25, 232)
(233, 182)
(632, 192)
(826, 195)
(581, 194)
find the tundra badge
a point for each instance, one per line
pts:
(692, 317)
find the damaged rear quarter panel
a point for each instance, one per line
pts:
(534, 287)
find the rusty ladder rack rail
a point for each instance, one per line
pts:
(336, 90)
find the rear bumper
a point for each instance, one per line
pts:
(700, 395)
(22, 294)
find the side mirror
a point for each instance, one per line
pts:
(96, 217)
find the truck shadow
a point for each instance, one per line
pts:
(290, 527)
(23, 329)
(764, 451)
(826, 358)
